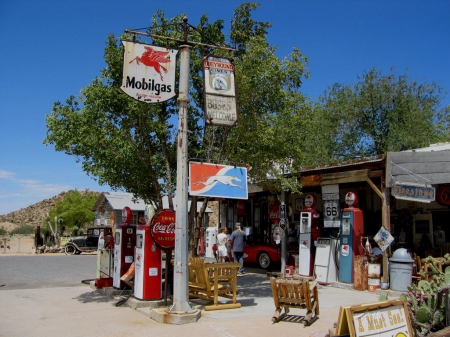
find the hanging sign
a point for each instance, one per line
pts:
(220, 92)
(162, 228)
(148, 72)
(413, 192)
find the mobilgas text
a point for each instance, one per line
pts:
(149, 85)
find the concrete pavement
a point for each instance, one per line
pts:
(83, 311)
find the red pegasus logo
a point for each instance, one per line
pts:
(152, 58)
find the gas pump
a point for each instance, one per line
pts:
(352, 228)
(210, 241)
(124, 244)
(104, 259)
(310, 222)
(148, 261)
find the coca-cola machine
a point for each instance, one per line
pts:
(157, 234)
(124, 243)
(310, 224)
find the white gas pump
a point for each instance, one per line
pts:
(104, 260)
(210, 240)
(305, 243)
(310, 223)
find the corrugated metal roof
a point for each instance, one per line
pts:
(352, 162)
(119, 200)
(433, 147)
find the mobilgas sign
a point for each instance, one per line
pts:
(148, 72)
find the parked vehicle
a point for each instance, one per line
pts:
(263, 254)
(87, 243)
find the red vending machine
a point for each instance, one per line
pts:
(310, 224)
(124, 243)
(352, 228)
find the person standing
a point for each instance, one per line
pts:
(238, 239)
(221, 244)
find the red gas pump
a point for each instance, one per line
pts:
(352, 228)
(310, 224)
(148, 271)
(124, 243)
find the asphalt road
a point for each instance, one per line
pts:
(46, 270)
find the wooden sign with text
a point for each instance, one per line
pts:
(382, 319)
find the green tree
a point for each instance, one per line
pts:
(131, 145)
(381, 113)
(75, 210)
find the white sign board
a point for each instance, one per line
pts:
(220, 91)
(148, 72)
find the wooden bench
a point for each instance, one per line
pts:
(300, 294)
(208, 281)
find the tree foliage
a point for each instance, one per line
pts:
(381, 113)
(131, 145)
(74, 210)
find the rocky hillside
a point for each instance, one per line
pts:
(35, 214)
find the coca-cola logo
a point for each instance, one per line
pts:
(163, 228)
(274, 214)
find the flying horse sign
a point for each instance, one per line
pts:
(148, 72)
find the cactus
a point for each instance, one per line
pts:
(424, 300)
(423, 314)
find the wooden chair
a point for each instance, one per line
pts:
(208, 281)
(300, 294)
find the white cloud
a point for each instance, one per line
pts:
(17, 193)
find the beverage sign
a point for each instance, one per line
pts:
(162, 228)
(148, 72)
(220, 91)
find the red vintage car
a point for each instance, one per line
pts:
(262, 254)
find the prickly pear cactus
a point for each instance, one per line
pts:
(425, 309)
(447, 275)
(423, 314)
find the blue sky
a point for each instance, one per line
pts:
(53, 48)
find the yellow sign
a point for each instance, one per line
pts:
(381, 319)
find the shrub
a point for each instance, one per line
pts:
(23, 229)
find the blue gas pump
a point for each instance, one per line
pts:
(352, 228)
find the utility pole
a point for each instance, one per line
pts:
(180, 280)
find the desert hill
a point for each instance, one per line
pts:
(35, 214)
